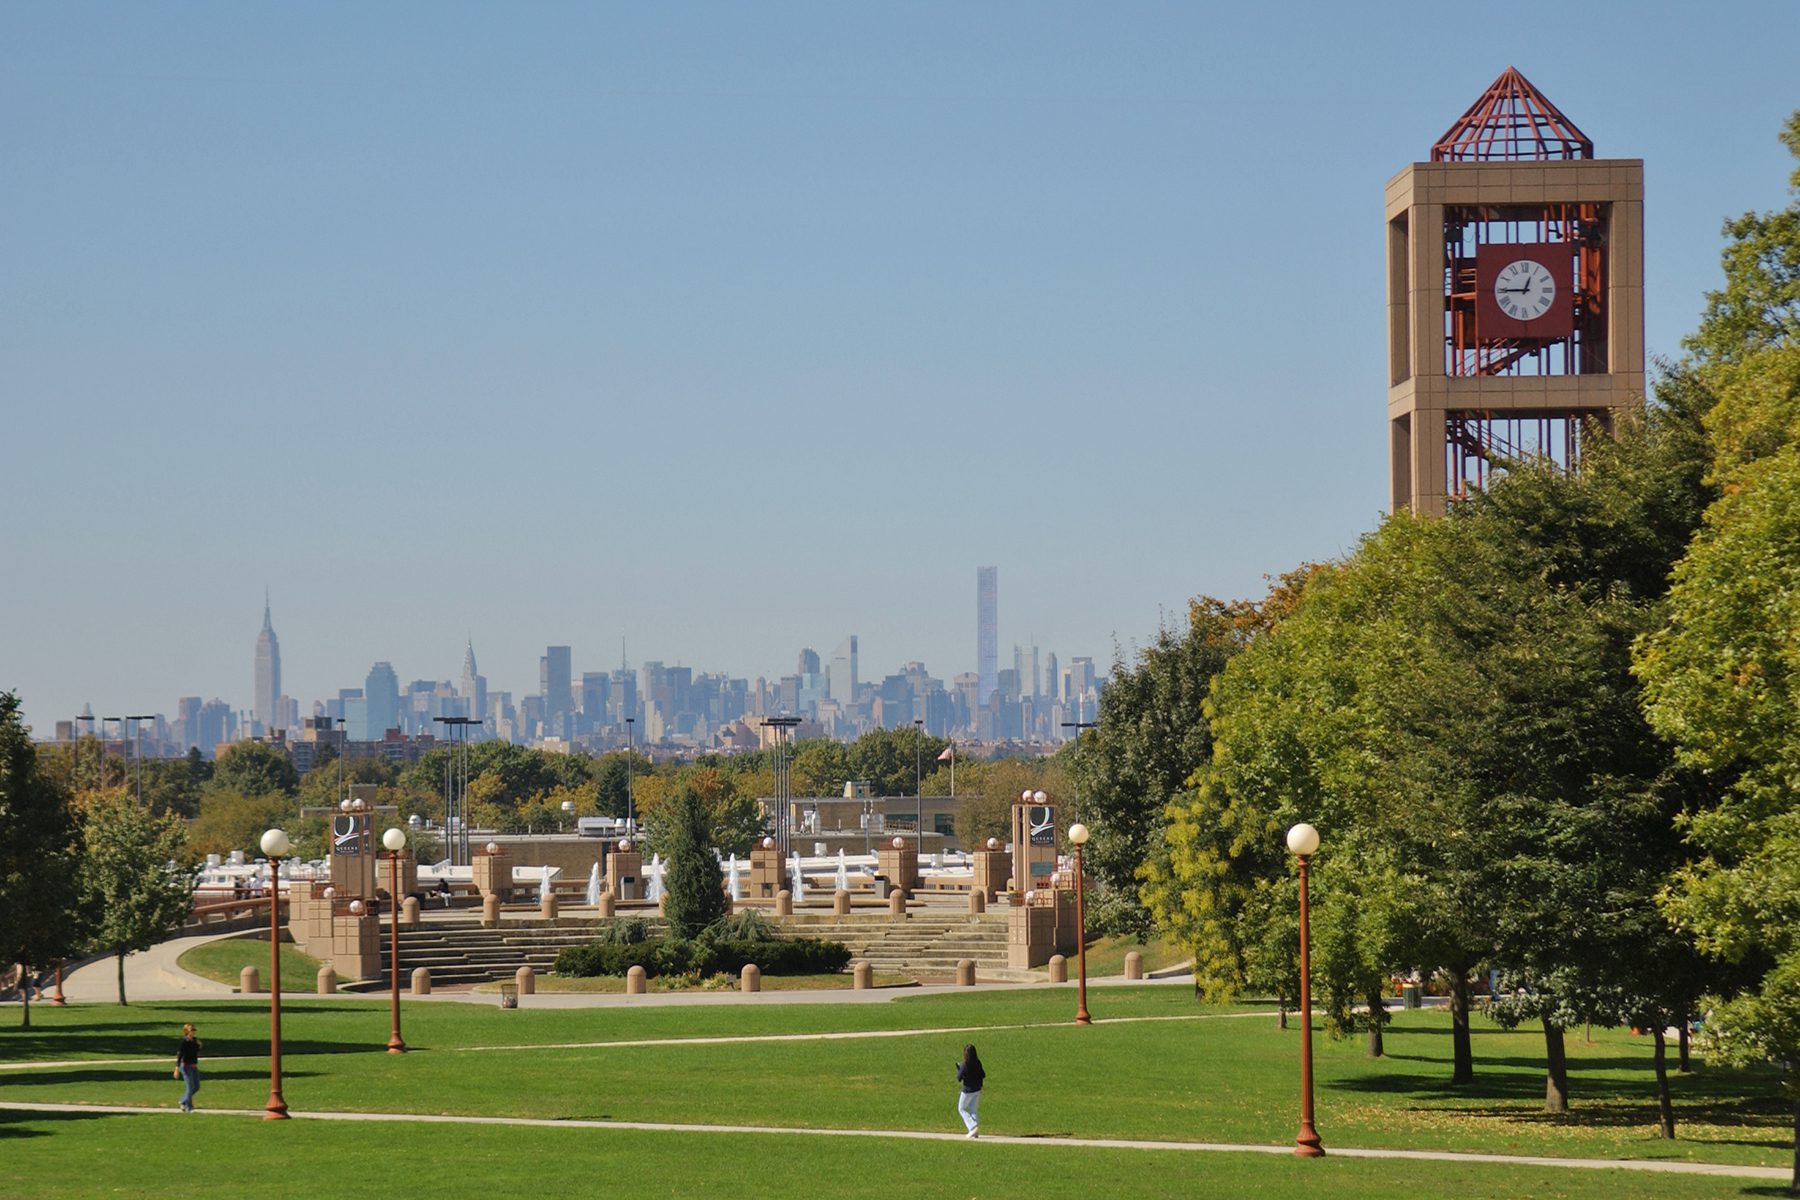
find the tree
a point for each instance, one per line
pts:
(694, 895)
(254, 769)
(136, 878)
(227, 821)
(1722, 677)
(38, 850)
(893, 760)
(1154, 731)
(819, 768)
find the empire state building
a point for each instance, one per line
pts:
(266, 706)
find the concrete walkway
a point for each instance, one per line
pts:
(152, 975)
(149, 975)
(1510, 1160)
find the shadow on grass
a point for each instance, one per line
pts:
(53, 1078)
(108, 1037)
(13, 1122)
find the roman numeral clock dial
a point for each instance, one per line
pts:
(1524, 289)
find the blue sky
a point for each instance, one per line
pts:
(731, 329)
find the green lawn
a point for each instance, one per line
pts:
(1106, 956)
(1223, 1078)
(223, 961)
(82, 1157)
(615, 985)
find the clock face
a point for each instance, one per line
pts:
(1524, 289)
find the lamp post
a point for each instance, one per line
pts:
(138, 725)
(1302, 842)
(1078, 835)
(919, 784)
(395, 841)
(124, 748)
(276, 846)
(630, 741)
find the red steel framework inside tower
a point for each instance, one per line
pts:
(1513, 121)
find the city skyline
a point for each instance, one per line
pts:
(730, 331)
(380, 703)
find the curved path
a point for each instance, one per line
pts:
(1510, 1160)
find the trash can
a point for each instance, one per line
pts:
(1409, 995)
(509, 995)
(881, 887)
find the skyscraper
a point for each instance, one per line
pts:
(474, 685)
(841, 683)
(381, 692)
(554, 680)
(987, 632)
(266, 704)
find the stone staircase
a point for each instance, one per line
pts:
(924, 943)
(459, 951)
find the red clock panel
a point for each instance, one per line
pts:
(1525, 290)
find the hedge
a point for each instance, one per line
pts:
(671, 956)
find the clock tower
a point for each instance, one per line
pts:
(1515, 293)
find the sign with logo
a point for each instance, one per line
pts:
(349, 831)
(1042, 820)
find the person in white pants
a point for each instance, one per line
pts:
(970, 1074)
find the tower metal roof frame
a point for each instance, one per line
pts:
(1511, 121)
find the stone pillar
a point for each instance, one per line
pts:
(327, 981)
(1059, 969)
(608, 905)
(993, 871)
(977, 903)
(750, 980)
(493, 873)
(421, 981)
(409, 912)
(526, 978)
(625, 873)
(862, 975)
(897, 904)
(767, 872)
(1031, 934)
(840, 903)
(1134, 965)
(900, 864)
(965, 972)
(784, 903)
(490, 911)
(547, 906)
(634, 981)
(249, 980)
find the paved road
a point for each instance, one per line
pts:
(1510, 1160)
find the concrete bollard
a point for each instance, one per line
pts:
(421, 981)
(634, 981)
(965, 972)
(249, 980)
(526, 978)
(897, 903)
(750, 980)
(327, 981)
(862, 975)
(608, 905)
(840, 903)
(1059, 969)
(490, 911)
(977, 903)
(784, 903)
(662, 905)
(1134, 965)
(409, 912)
(547, 906)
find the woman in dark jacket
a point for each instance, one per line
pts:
(187, 1066)
(970, 1074)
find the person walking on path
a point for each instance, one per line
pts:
(970, 1074)
(187, 1066)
